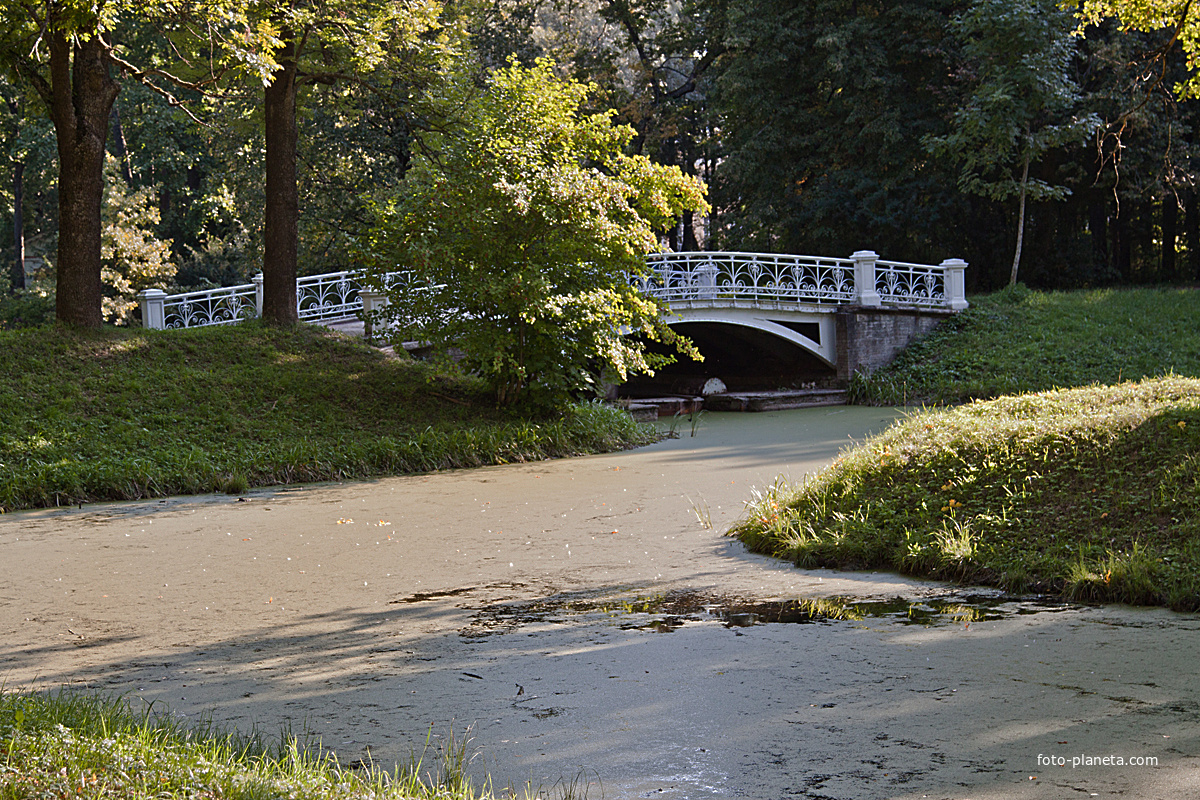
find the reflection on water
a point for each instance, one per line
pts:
(671, 611)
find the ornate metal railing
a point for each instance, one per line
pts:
(898, 283)
(748, 276)
(329, 297)
(221, 306)
(715, 278)
(809, 280)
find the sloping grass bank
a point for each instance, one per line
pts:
(1019, 341)
(66, 744)
(1092, 493)
(123, 415)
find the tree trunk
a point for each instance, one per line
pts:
(1012, 279)
(120, 146)
(283, 201)
(82, 96)
(1167, 269)
(1191, 222)
(18, 265)
(1098, 227)
(1122, 249)
(689, 232)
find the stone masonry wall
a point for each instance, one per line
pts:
(868, 338)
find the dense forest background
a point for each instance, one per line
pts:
(911, 128)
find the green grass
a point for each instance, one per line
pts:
(67, 744)
(120, 415)
(1022, 341)
(1091, 493)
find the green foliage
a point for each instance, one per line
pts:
(128, 414)
(822, 107)
(1018, 340)
(88, 745)
(1020, 105)
(1092, 493)
(133, 257)
(1021, 101)
(25, 308)
(1176, 17)
(521, 220)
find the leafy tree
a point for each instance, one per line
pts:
(1020, 106)
(58, 47)
(521, 221)
(821, 106)
(1180, 18)
(317, 42)
(68, 52)
(132, 256)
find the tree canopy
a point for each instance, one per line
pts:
(521, 220)
(821, 126)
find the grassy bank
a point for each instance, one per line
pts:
(120, 415)
(1019, 341)
(1092, 493)
(67, 744)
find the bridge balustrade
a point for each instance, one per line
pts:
(714, 278)
(330, 297)
(757, 278)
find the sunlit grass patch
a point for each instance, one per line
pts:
(1092, 493)
(1018, 341)
(84, 745)
(129, 414)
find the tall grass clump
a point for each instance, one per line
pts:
(1019, 341)
(85, 745)
(130, 414)
(1092, 493)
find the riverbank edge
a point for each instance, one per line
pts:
(132, 414)
(74, 743)
(1091, 494)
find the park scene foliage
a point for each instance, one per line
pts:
(520, 157)
(267, 136)
(519, 232)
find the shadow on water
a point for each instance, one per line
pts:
(671, 611)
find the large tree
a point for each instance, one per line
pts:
(326, 43)
(822, 105)
(60, 49)
(68, 52)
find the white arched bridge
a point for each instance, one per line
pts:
(796, 298)
(847, 313)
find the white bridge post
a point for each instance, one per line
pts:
(152, 302)
(955, 283)
(372, 301)
(864, 278)
(258, 294)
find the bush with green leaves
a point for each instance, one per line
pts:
(522, 218)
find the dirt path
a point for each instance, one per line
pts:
(503, 599)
